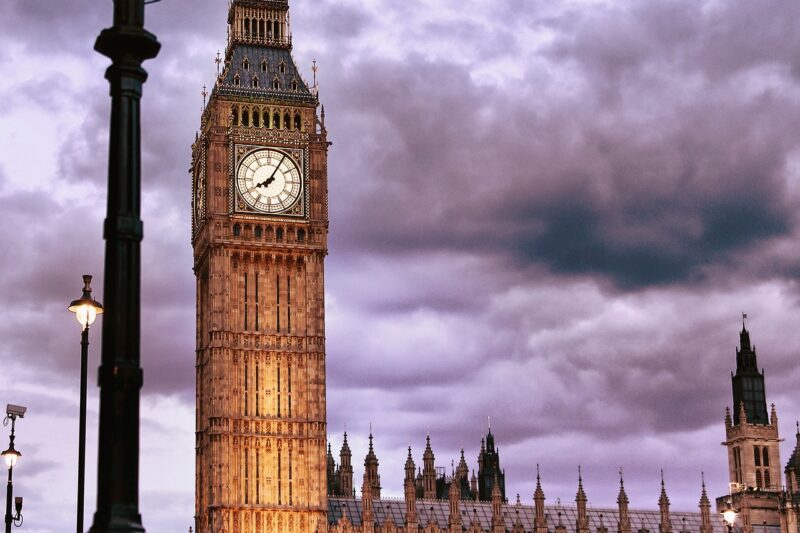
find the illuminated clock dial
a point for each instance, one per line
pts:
(269, 181)
(199, 196)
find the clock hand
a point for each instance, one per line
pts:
(265, 183)
(271, 177)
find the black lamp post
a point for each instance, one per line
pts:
(127, 44)
(86, 310)
(11, 457)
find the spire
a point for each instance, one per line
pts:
(410, 467)
(748, 383)
(792, 469)
(371, 469)
(773, 415)
(624, 525)
(428, 471)
(665, 525)
(539, 520)
(345, 468)
(582, 523)
(705, 508)
(410, 490)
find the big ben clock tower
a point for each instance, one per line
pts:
(259, 233)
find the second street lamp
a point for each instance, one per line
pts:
(11, 457)
(86, 309)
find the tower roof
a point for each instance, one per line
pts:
(748, 384)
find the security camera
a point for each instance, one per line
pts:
(16, 410)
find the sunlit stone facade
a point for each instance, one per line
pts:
(259, 233)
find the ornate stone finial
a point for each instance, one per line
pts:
(728, 420)
(218, 61)
(519, 502)
(742, 414)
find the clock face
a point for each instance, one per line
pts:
(269, 181)
(199, 196)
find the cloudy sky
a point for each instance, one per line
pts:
(550, 212)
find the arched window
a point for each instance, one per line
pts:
(283, 67)
(294, 85)
(265, 122)
(279, 234)
(757, 455)
(297, 121)
(758, 478)
(247, 27)
(767, 484)
(765, 456)
(246, 64)
(276, 29)
(270, 233)
(261, 29)
(235, 116)
(258, 232)
(276, 120)
(236, 80)
(255, 83)
(301, 235)
(245, 118)
(264, 66)
(256, 118)
(237, 230)
(276, 84)
(286, 121)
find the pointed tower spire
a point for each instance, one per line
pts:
(582, 523)
(409, 488)
(540, 520)
(333, 488)
(665, 524)
(371, 469)
(792, 470)
(705, 508)
(624, 525)
(428, 472)
(345, 468)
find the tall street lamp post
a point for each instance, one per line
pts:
(11, 457)
(127, 44)
(86, 309)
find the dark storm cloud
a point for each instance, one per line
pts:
(653, 186)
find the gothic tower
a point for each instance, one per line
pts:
(752, 440)
(751, 437)
(259, 234)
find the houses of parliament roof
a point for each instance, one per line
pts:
(437, 512)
